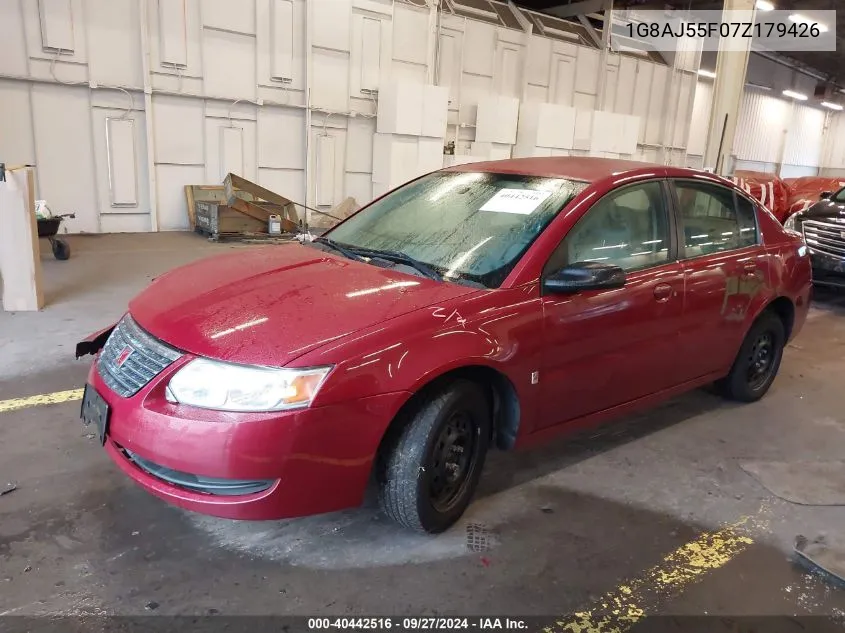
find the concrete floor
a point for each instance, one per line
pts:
(565, 524)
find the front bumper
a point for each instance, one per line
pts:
(828, 270)
(312, 460)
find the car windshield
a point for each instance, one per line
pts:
(839, 196)
(466, 226)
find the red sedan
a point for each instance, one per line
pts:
(497, 303)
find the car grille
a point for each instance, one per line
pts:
(825, 237)
(197, 483)
(131, 358)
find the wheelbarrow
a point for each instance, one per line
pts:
(49, 227)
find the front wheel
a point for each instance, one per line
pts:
(758, 361)
(430, 466)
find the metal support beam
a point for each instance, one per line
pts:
(731, 66)
(594, 36)
(575, 8)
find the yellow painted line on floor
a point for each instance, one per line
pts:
(45, 398)
(620, 609)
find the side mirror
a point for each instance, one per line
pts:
(826, 195)
(584, 276)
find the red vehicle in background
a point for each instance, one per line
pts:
(490, 304)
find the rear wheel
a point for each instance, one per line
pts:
(61, 249)
(758, 361)
(430, 466)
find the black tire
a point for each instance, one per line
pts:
(61, 249)
(426, 443)
(757, 362)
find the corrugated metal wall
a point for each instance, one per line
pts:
(760, 130)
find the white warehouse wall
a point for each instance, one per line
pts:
(775, 134)
(192, 89)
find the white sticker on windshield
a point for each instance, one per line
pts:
(521, 201)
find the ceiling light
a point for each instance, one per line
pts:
(706, 73)
(832, 106)
(762, 5)
(803, 19)
(794, 95)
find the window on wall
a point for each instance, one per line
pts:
(628, 228)
(714, 218)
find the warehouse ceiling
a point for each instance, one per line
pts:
(829, 65)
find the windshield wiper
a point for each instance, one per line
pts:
(343, 250)
(401, 258)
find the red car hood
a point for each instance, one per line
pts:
(268, 306)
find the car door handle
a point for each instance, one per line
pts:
(662, 292)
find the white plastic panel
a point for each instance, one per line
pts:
(229, 147)
(583, 129)
(281, 138)
(449, 67)
(497, 120)
(480, 41)
(410, 31)
(611, 80)
(430, 155)
(370, 53)
(289, 183)
(626, 80)
(114, 57)
(655, 121)
(400, 109)
(700, 119)
(62, 125)
(229, 64)
(642, 89)
(238, 16)
(179, 130)
(562, 86)
(231, 151)
(172, 207)
(539, 60)
(325, 152)
(12, 34)
(330, 86)
(587, 70)
(123, 170)
(173, 31)
(359, 187)
(359, 146)
(508, 70)
(473, 89)
(686, 86)
(584, 101)
(56, 18)
(333, 32)
(16, 141)
(281, 39)
(395, 159)
(435, 110)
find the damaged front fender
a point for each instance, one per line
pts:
(94, 343)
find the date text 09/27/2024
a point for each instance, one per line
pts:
(416, 624)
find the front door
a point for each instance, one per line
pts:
(725, 268)
(607, 347)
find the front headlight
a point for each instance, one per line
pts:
(215, 385)
(791, 222)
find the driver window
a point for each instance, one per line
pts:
(627, 228)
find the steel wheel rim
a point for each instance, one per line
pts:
(452, 459)
(761, 360)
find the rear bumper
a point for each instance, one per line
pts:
(310, 461)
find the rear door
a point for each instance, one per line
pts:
(725, 267)
(607, 347)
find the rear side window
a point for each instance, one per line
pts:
(714, 218)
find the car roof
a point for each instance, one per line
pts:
(583, 168)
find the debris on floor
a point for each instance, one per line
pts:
(10, 487)
(810, 483)
(820, 555)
